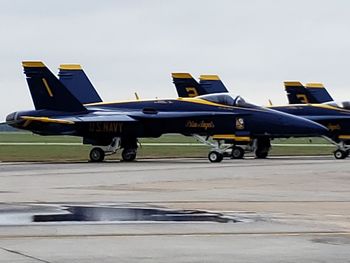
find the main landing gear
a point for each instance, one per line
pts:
(234, 152)
(220, 150)
(263, 146)
(217, 154)
(129, 146)
(342, 151)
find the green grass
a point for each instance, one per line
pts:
(81, 152)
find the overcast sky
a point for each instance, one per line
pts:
(128, 46)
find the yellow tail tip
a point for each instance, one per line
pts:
(181, 75)
(33, 64)
(70, 66)
(314, 85)
(292, 83)
(209, 77)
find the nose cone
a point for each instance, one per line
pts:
(299, 126)
(11, 118)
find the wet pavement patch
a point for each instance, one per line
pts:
(122, 214)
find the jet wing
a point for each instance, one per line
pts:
(127, 117)
(79, 119)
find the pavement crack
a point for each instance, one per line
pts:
(24, 255)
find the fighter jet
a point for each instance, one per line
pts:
(316, 104)
(117, 125)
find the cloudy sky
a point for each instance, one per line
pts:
(128, 46)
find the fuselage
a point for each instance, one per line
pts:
(336, 119)
(152, 118)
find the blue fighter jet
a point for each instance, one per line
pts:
(117, 125)
(313, 102)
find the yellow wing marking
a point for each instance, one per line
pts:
(46, 119)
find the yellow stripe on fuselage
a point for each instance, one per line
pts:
(344, 137)
(324, 106)
(191, 100)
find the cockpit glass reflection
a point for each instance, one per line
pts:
(227, 99)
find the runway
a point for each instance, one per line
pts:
(282, 209)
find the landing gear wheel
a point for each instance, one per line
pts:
(97, 155)
(340, 154)
(215, 157)
(237, 153)
(128, 155)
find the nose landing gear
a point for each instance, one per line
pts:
(341, 154)
(343, 150)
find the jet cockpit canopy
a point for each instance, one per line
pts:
(227, 99)
(343, 104)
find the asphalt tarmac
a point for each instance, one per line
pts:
(282, 209)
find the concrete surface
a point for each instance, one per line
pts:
(293, 209)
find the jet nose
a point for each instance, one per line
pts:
(309, 128)
(12, 117)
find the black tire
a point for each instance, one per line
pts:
(263, 148)
(237, 153)
(340, 154)
(215, 157)
(129, 155)
(97, 155)
(261, 154)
